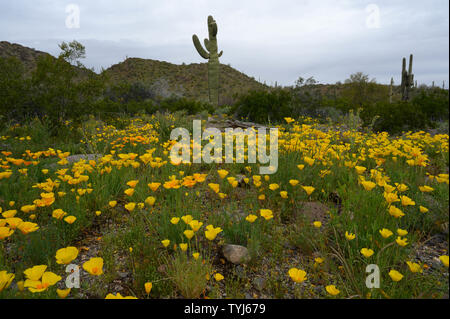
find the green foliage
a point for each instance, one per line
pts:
(358, 91)
(395, 117)
(13, 88)
(56, 91)
(183, 104)
(264, 106)
(433, 103)
(59, 94)
(188, 275)
(72, 52)
(380, 110)
(126, 92)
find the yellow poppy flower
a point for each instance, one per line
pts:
(395, 275)
(218, 277)
(349, 236)
(414, 267)
(367, 252)
(94, 266)
(148, 287)
(189, 233)
(444, 260)
(332, 290)
(251, 218)
(386, 233)
(66, 255)
(165, 242)
(70, 219)
(63, 293)
(130, 206)
(308, 189)
(297, 275)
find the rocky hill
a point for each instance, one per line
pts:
(188, 80)
(27, 56)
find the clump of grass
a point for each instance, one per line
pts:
(188, 275)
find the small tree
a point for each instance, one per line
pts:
(62, 91)
(72, 52)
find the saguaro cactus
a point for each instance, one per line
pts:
(407, 78)
(391, 92)
(213, 59)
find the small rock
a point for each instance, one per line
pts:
(236, 254)
(259, 283)
(122, 274)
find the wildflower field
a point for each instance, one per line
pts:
(139, 226)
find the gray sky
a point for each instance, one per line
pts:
(276, 40)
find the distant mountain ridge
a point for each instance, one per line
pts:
(188, 80)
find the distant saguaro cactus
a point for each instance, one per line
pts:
(213, 59)
(407, 78)
(391, 92)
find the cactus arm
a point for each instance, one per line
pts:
(207, 45)
(410, 64)
(214, 29)
(220, 54)
(199, 47)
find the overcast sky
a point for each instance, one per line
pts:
(276, 40)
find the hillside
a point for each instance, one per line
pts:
(189, 80)
(27, 56)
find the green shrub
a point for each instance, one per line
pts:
(175, 104)
(433, 103)
(264, 106)
(395, 117)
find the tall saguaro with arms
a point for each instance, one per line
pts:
(407, 78)
(213, 59)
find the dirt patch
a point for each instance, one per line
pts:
(314, 211)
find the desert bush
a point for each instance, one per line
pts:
(395, 117)
(14, 90)
(264, 106)
(433, 103)
(175, 104)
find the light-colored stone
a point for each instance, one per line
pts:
(259, 283)
(236, 254)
